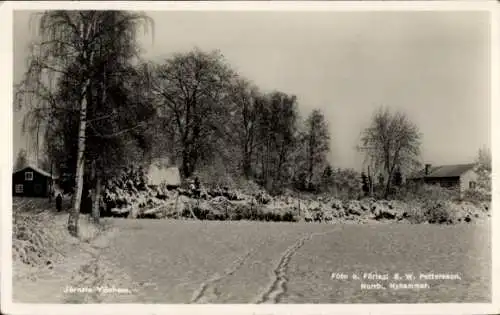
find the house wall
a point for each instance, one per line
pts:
(158, 174)
(466, 178)
(38, 187)
(450, 183)
(446, 182)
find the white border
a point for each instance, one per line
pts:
(257, 5)
(6, 159)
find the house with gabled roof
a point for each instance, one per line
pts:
(31, 181)
(160, 172)
(460, 177)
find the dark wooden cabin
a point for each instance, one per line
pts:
(31, 181)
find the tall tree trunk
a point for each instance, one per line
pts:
(97, 197)
(86, 30)
(247, 167)
(80, 165)
(96, 166)
(37, 163)
(370, 181)
(268, 166)
(51, 186)
(281, 162)
(194, 152)
(390, 171)
(311, 164)
(262, 165)
(389, 182)
(185, 162)
(248, 153)
(388, 186)
(247, 160)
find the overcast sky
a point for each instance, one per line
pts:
(434, 66)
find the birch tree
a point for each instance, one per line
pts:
(67, 51)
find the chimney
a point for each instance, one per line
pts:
(427, 169)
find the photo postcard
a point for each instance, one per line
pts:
(249, 157)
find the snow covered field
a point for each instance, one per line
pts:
(256, 262)
(187, 261)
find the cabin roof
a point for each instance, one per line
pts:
(36, 169)
(443, 171)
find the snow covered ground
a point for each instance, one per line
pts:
(187, 261)
(255, 262)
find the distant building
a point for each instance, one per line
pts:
(460, 177)
(160, 173)
(31, 181)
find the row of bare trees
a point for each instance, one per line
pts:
(208, 112)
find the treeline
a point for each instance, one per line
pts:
(101, 109)
(211, 116)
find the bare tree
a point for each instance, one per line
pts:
(391, 141)
(317, 140)
(192, 90)
(244, 97)
(277, 133)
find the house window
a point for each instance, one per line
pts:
(472, 185)
(28, 176)
(19, 189)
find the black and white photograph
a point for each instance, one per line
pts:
(210, 154)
